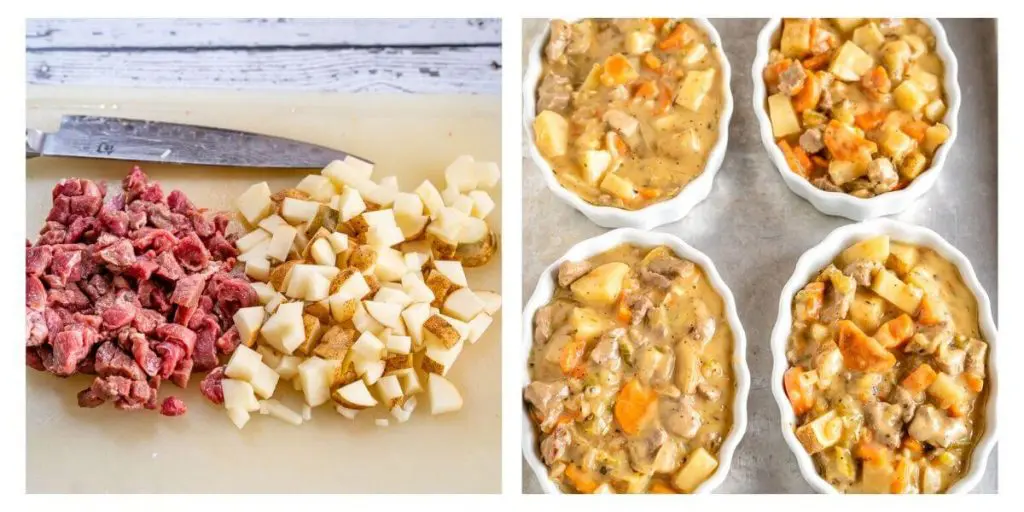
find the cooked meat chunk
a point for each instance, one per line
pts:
(930, 338)
(951, 360)
(975, 364)
(582, 35)
(644, 448)
(837, 303)
(542, 323)
(681, 417)
(570, 271)
(546, 399)
(561, 34)
(825, 183)
(889, 25)
(670, 267)
(882, 175)
(606, 351)
(862, 271)
(621, 122)
(708, 391)
(792, 80)
(654, 365)
(554, 93)
(811, 141)
(704, 325)
(886, 421)
(906, 401)
(654, 279)
(639, 304)
(932, 426)
(553, 446)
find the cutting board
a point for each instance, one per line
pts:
(105, 450)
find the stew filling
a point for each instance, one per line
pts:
(887, 370)
(632, 383)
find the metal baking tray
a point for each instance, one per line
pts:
(754, 229)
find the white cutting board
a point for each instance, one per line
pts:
(105, 450)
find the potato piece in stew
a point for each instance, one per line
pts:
(632, 395)
(628, 109)
(856, 104)
(889, 398)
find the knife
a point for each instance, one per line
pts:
(152, 141)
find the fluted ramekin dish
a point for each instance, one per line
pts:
(545, 291)
(664, 212)
(839, 203)
(817, 258)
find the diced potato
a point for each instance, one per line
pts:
(947, 391)
(820, 433)
(895, 144)
(619, 187)
(842, 171)
(935, 110)
(847, 24)
(602, 285)
(877, 476)
(639, 41)
(783, 116)
(927, 82)
(867, 311)
(900, 294)
(868, 37)
(552, 134)
(587, 323)
(895, 57)
(910, 97)
(923, 278)
(593, 80)
(594, 164)
(851, 62)
(796, 37)
(694, 88)
(902, 258)
(695, 53)
(700, 465)
(934, 137)
(255, 203)
(913, 165)
(873, 249)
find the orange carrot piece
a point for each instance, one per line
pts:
(876, 82)
(895, 332)
(809, 95)
(772, 71)
(913, 445)
(660, 487)
(652, 62)
(845, 144)
(868, 450)
(901, 476)
(617, 70)
(794, 161)
(870, 120)
(861, 352)
(915, 129)
(622, 312)
(664, 98)
(932, 310)
(918, 380)
(582, 481)
(658, 23)
(648, 192)
(800, 393)
(819, 161)
(817, 62)
(647, 90)
(680, 36)
(802, 159)
(974, 382)
(572, 355)
(958, 410)
(631, 406)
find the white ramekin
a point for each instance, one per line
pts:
(839, 203)
(544, 292)
(817, 258)
(656, 214)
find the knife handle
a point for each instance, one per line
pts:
(34, 142)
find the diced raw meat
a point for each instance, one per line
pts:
(179, 334)
(118, 316)
(33, 360)
(35, 293)
(37, 259)
(172, 405)
(170, 355)
(142, 269)
(179, 202)
(70, 297)
(221, 248)
(144, 355)
(35, 327)
(111, 360)
(168, 267)
(114, 221)
(88, 398)
(85, 206)
(191, 253)
(69, 348)
(188, 290)
(118, 255)
(182, 373)
(203, 226)
(205, 356)
(159, 240)
(221, 221)
(229, 341)
(146, 320)
(211, 386)
(63, 265)
(233, 294)
(97, 286)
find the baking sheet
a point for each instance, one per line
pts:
(755, 229)
(103, 450)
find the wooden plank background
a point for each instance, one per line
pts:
(451, 56)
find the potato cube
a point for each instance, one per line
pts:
(851, 62)
(934, 137)
(695, 53)
(869, 37)
(821, 433)
(783, 116)
(619, 187)
(796, 37)
(843, 171)
(873, 249)
(935, 110)
(895, 58)
(639, 41)
(694, 88)
(700, 465)
(910, 96)
(594, 164)
(867, 311)
(913, 165)
(602, 285)
(904, 296)
(589, 324)
(928, 82)
(902, 258)
(947, 391)
(895, 144)
(847, 24)
(923, 278)
(877, 476)
(552, 134)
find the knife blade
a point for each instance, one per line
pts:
(153, 141)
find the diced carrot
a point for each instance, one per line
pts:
(809, 301)
(802, 158)
(817, 62)
(664, 98)
(809, 95)
(895, 332)
(622, 312)
(658, 23)
(582, 481)
(794, 162)
(870, 120)
(861, 352)
(572, 354)
(617, 70)
(876, 82)
(648, 89)
(772, 71)
(659, 487)
(915, 129)
(680, 36)
(918, 380)
(648, 192)
(616, 144)
(868, 450)
(819, 161)
(901, 476)
(974, 382)
(958, 410)
(652, 62)
(932, 311)
(913, 445)
(631, 406)
(801, 395)
(845, 144)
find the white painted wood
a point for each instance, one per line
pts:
(411, 56)
(189, 33)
